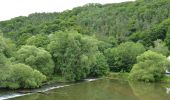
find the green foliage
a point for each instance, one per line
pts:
(165, 79)
(100, 66)
(113, 41)
(118, 20)
(167, 39)
(158, 31)
(3, 60)
(150, 67)
(21, 39)
(122, 57)
(7, 47)
(4, 68)
(160, 47)
(150, 55)
(39, 40)
(118, 75)
(46, 42)
(73, 54)
(23, 76)
(102, 46)
(37, 58)
(18, 75)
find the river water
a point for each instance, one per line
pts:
(102, 89)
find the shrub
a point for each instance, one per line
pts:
(23, 76)
(100, 66)
(37, 58)
(124, 56)
(150, 67)
(160, 47)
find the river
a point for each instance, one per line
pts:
(102, 89)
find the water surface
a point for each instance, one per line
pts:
(104, 89)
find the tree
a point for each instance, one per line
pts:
(4, 69)
(159, 31)
(100, 66)
(102, 46)
(113, 41)
(167, 39)
(39, 40)
(7, 47)
(150, 67)
(160, 47)
(73, 54)
(122, 57)
(21, 38)
(37, 58)
(23, 76)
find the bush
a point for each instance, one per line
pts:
(23, 76)
(37, 58)
(160, 47)
(100, 66)
(150, 67)
(124, 56)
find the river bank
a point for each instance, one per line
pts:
(8, 93)
(124, 76)
(103, 89)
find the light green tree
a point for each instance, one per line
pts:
(23, 76)
(150, 67)
(73, 54)
(39, 40)
(160, 47)
(7, 47)
(37, 58)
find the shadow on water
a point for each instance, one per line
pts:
(103, 89)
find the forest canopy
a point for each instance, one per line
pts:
(88, 41)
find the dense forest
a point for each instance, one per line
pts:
(88, 41)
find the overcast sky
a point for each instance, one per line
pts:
(14, 8)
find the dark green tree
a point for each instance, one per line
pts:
(100, 66)
(122, 57)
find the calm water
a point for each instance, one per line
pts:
(104, 89)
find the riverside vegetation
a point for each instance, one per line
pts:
(88, 41)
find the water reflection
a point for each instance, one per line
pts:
(167, 90)
(148, 91)
(104, 90)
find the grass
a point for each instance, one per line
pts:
(124, 76)
(166, 79)
(111, 75)
(118, 75)
(56, 79)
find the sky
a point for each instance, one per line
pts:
(13, 8)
